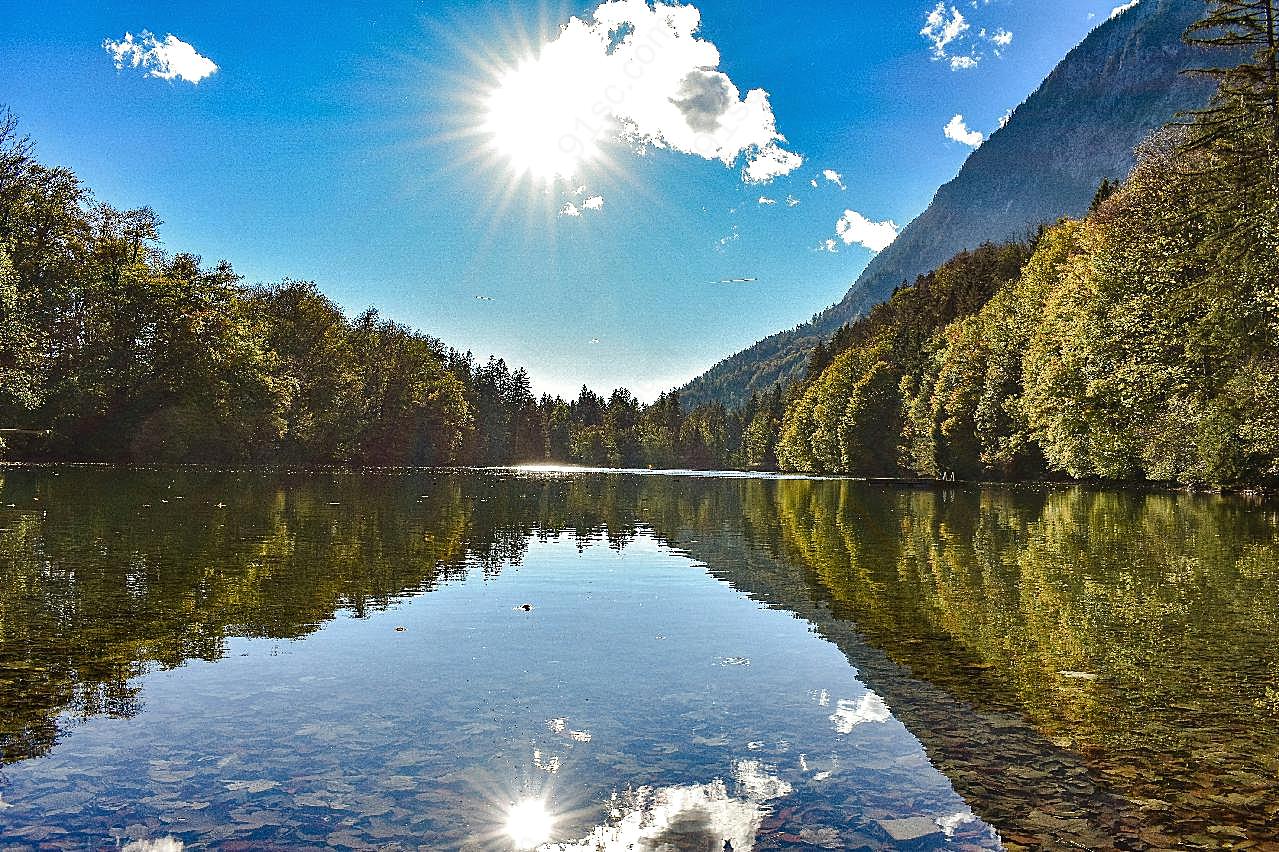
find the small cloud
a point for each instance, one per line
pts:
(765, 201)
(771, 162)
(731, 238)
(1005, 118)
(957, 131)
(952, 40)
(834, 177)
(792, 201)
(1119, 10)
(855, 229)
(170, 59)
(578, 209)
(942, 28)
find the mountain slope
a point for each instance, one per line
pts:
(1123, 81)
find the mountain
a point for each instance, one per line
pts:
(1081, 126)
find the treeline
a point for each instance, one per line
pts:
(1140, 343)
(123, 352)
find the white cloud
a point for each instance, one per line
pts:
(951, 37)
(1119, 10)
(1005, 118)
(571, 210)
(634, 73)
(764, 200)
(769, 163)
(171, 59)
(854, 228)
(792, 201)
(834, 177)
(941, 29)
(595, 202)
(730, 238)
(957, 131)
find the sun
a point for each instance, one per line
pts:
(544, 118)
(529, 824)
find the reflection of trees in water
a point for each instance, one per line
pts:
(983, 597)
(106, 574)
(1133, 630)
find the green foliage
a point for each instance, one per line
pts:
(1140, 343)
(878, 408)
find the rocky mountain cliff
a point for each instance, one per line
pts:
(1081, 126)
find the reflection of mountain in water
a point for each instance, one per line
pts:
(1096, 669)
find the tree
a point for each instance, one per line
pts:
(1239, 131)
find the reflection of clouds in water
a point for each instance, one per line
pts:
(550, 763)
(849, 714)
(700, 816)
(166, 844)
(756, 783)
(951, 823)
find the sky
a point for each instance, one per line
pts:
(617, 195)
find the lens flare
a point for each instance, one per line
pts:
(529, 824)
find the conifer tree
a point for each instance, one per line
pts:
(1237, 135)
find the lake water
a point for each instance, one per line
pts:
(581, 661)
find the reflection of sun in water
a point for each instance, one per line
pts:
(529, 824)
(540, 119)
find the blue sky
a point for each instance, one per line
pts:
(362, 146)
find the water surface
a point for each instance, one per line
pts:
(498, 660)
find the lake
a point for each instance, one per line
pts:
(566, 660)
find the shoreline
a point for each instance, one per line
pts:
(551, 469)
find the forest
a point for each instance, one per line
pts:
(1139, 343)
(112, 349)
